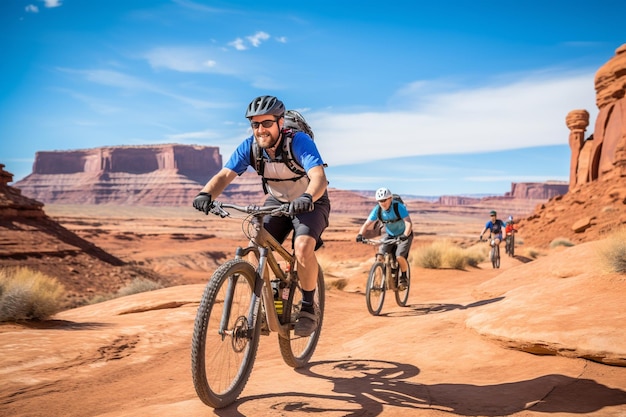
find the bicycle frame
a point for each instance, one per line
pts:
(264, 247)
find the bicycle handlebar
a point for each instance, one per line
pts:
(387, 240)
(218, 208)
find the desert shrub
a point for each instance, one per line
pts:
(339, 284)
(613, 252)
(138, 285)
(561, 241)
(454, 257)
(445, 254)
(429, 257)
(475, 255)
(28, 295)
(532, 253)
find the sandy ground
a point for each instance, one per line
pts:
(131, 356)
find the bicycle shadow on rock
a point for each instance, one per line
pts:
(368, 386)
(424, 309)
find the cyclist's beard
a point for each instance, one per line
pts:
(266, 140)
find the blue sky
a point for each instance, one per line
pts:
(426, 98)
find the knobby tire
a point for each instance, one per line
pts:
(375, 291)
(296, 350)
(221, 364)
(403, 296)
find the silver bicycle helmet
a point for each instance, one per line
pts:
(382, 194)
(265, 105)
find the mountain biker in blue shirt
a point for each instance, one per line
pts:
(495, 226)
(306, 193)
(395, 226)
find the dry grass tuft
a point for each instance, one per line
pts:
(613, 252)
(28, 295)
(445, 254)
(561, 241)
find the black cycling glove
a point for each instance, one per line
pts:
(403, 237)
(302, 204)
(359, 238)
(202, 202)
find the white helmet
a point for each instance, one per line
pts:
(382, 194)
(510, 218)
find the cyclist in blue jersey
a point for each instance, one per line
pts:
(397, 223)
(305, 191)
(495, 226)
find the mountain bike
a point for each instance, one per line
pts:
(257, 292)
(510, 244)
(494, 253)
(384, 275)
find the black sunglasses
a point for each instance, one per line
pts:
(265, 123)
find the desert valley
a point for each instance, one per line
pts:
(543, 334)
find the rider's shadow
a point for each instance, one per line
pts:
(365, 387)
(433, 308)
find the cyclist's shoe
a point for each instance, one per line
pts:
(402, 283)
(306, 323)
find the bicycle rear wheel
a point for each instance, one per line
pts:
(375, 290)
(403, 296)
(296, 350)
(221, 361)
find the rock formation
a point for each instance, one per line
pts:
(603, 154)
(163, 175)
(595, 204)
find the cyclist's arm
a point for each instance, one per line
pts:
(408, 225)
(219, 182)
(318, 182)
(366, 226)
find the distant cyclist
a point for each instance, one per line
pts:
(510, 227)
(395, 217)
(495, 226)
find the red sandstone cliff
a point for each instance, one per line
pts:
(163, 175)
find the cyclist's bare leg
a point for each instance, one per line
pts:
(304, 247)
(404, 265)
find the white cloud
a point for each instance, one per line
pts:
(258, 38)
(52, 3)
(191, 136)
(254, 40)
(238, 44)
(526, 113)
(129, 83)
(188, 59)
(31, 8)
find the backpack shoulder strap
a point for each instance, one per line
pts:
(288, 157)
(256, 157)
(396, 209)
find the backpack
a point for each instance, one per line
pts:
(396, 199)
(294, 122)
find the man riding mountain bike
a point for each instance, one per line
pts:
(395, 217)
(495, 226)
(305, 192)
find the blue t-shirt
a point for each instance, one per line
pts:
(304, 152)
(393, 228)
(496, 228)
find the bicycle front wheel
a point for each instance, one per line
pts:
(375, 290)
(224, 343)
(297, 350)
(403, 296)
(495, 261)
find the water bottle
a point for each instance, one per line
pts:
(278, 301)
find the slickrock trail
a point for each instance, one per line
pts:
(131, 356)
